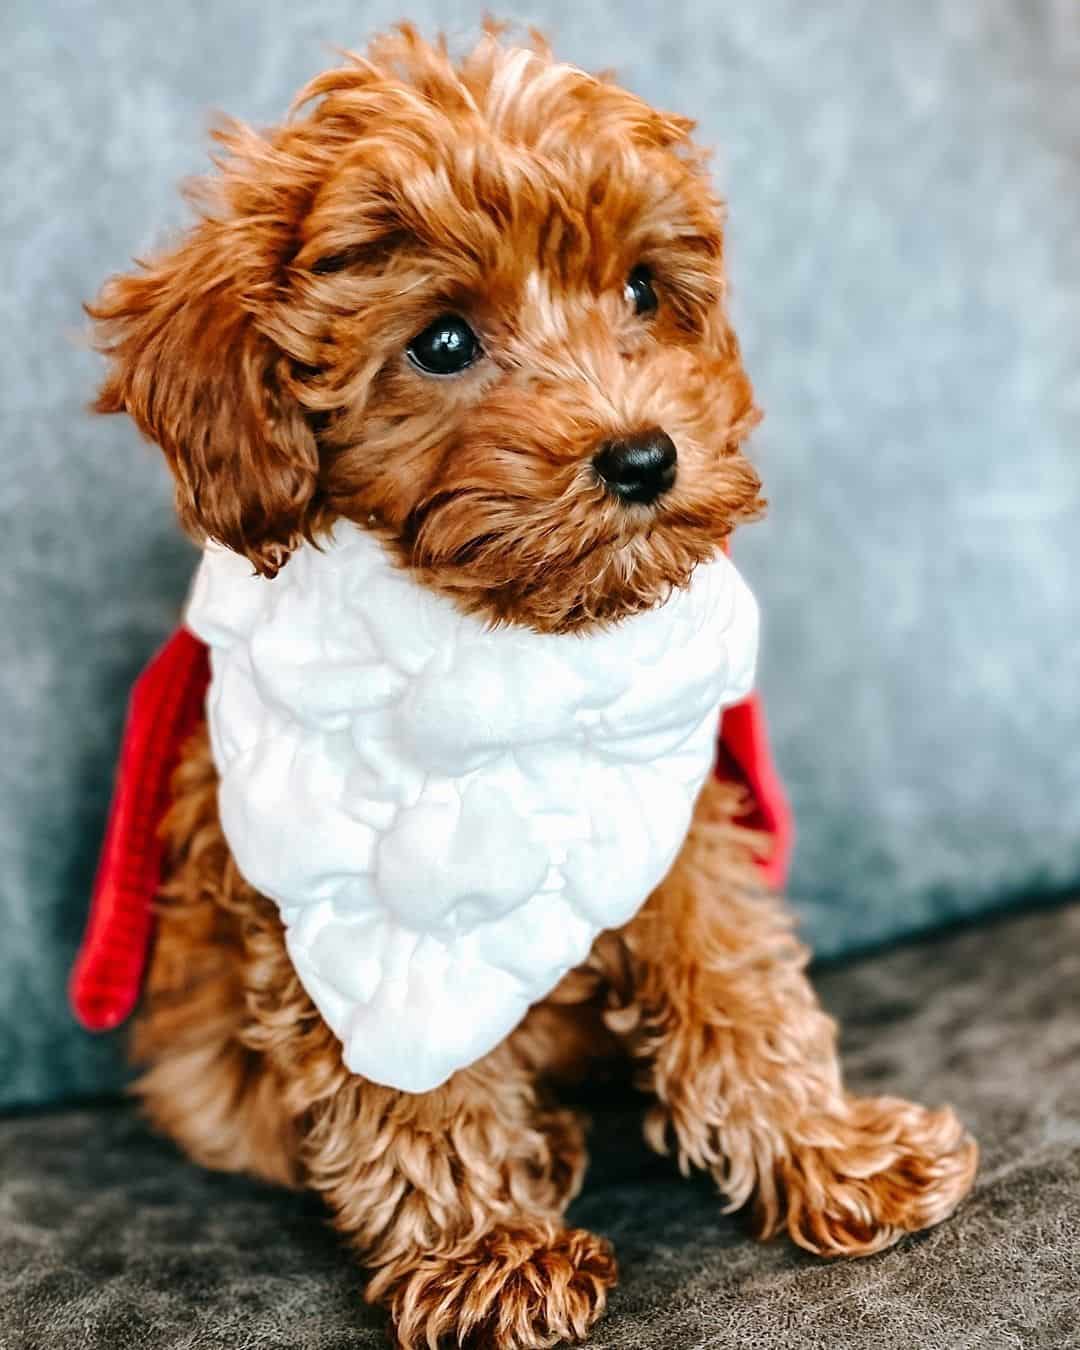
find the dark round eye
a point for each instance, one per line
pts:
(639, 291)
(445, 347)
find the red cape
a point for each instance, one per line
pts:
(167, 705)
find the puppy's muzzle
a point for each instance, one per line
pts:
(638, 468)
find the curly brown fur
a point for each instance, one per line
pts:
(266, 355)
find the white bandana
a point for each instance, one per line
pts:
(447, 815)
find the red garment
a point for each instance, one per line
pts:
(167, 705)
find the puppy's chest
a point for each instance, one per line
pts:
(447, 816)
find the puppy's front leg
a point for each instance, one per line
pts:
(743, 1063)
(454, 1198)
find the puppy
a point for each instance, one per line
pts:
(470, 316)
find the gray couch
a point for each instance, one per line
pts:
(109, 1240)
(903, 180)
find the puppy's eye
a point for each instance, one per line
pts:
(445, 347)
(639, 291)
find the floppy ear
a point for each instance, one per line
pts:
(189, 364)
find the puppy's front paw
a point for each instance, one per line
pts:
(887, 1168)
(527, 1287)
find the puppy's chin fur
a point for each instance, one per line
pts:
(521, 529)
(266, 353)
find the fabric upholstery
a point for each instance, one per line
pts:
(904, 213)
(110, 1241)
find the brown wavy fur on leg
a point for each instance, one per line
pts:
(743, 1063)
(452, 1198)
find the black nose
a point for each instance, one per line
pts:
(638, 468)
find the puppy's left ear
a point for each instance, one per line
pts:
(190, 365)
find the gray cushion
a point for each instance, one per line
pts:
(110, 1241)
(903, 229)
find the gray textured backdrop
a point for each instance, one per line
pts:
(905, 221)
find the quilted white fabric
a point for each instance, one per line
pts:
(448, 814)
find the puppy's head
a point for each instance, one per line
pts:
(475, 306)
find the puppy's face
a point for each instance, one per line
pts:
(477, 308)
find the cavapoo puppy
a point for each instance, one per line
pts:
(445, 377)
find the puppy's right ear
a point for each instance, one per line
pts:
(188, 362)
